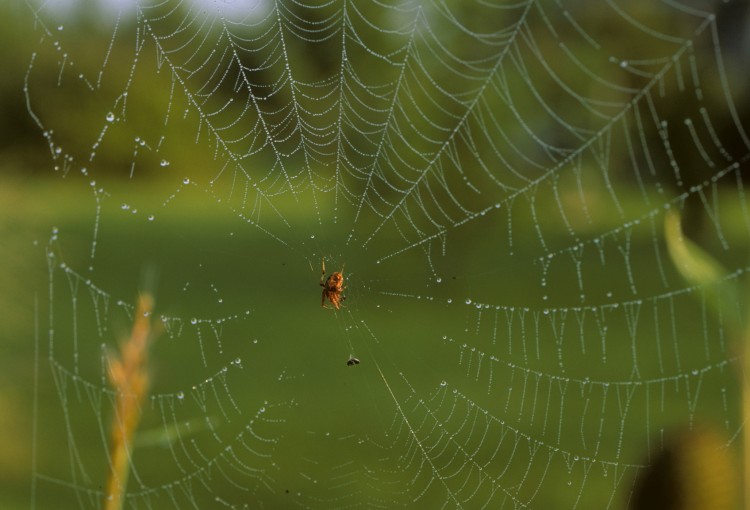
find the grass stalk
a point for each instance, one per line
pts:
(129, 375)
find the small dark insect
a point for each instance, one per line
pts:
(352, 361)
(333, 287)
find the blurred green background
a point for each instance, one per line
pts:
(131, 146)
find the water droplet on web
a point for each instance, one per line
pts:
(193, 321)
(180, 395)
(438, 279)
(150, 217)
(468, 301)
(59, 27)
(449, 301)
(443, 383)
(221, 300)
(110, 117)
(312, 236)
(124, 207)
(186, 180)
(164, 162)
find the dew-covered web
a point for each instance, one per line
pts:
(492, 178)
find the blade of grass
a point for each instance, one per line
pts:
(722, 295)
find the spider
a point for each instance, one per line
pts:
(333, 287)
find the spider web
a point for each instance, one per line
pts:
(492, 179)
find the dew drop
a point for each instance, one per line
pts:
(110, 117)
(438, 279)
(443, 383)
(180, 395)
(150, 217)
(193, 321)
(186, 180)
(468, 301)
(164, 162)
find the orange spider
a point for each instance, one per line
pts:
(333, 287)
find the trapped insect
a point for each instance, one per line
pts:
(333, 287)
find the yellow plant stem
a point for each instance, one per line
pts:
(128, 374)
